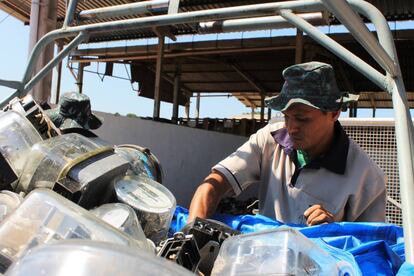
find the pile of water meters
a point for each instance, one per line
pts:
(71, 204)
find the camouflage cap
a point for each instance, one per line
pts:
(74, 111)
(312, 83)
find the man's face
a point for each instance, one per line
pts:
(309, 128)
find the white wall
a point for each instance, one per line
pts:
(186, 154)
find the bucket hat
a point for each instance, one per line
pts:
(74, 111)
(312, 83)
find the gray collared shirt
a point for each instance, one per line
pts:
(345, 181)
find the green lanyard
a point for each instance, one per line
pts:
(303, 158)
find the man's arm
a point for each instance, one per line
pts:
(208, 195)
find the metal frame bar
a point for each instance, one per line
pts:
(70, 13)
(355, 25)
(383, 51)
(124, 10)
(336, 48)
(253, 24)
(11, 83)
(404, 128)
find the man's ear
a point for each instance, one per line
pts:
(336, 114)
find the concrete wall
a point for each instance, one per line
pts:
(186, 154)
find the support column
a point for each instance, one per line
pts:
(177, 89)
(42, 21)
(269, 114)
(262, 108)
(353, 107)
(299, 47)
(57, 76)
(252, 112)
(187, 109)
(158, 74)
(197, 108)
(79, 78)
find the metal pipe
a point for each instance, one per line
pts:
(70, 13)
(124, 10)
(254, 24)
(57, 77)
(162, 20)
(336, 48)
(37, 50)
(404, 128)
(354, 24)
(11, 84)
(384, 34)
(59, 57)
(404, 137)
(197, 16)
(173, 6)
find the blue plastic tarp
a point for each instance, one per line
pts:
(373, 248)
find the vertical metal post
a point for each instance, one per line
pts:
(252, 112)
(70, 12)
(177, 89)
(197, 115)
(269, 114)
(57, 76)
(404, 131)
(173, 6)
(158, 75)
(299, 46)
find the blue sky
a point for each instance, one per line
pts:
(115, 95)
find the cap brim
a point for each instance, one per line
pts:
(70, 123)
(281, 102)
(94, 121)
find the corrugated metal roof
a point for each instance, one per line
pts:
(215, 66)
(222, 66)
(393, 10)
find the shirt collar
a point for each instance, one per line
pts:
(335, 158)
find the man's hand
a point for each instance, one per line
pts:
(316, 214)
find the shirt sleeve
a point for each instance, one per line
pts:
(242, 167)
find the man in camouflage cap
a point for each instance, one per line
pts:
(74, 112)
(308, 170)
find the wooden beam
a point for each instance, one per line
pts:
(151, 56)
(248, 101)
(184, 88)
(248, 78)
